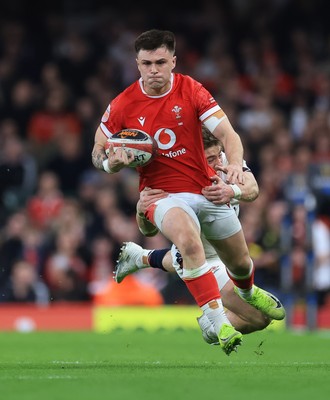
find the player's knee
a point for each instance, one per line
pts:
(240, 263)
(190, 247)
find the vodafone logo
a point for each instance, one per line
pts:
(165, 138)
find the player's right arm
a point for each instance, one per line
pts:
(98, 153)
(115, 161)
(221, 128)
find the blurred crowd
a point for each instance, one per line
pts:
(62, 222)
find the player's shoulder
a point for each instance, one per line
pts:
(128, 95)
(186, 80)
(187, 86)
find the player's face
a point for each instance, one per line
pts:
(155, 68)
(213, 156)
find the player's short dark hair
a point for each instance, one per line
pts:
(209, 140)
(154, 39)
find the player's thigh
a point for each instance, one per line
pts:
(177, 226)
(178, 222)
(217, 222)
(233, 250)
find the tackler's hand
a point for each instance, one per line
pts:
(149, 196)
(234, 174)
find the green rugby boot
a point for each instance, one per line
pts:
(229, 338)
(265, 302)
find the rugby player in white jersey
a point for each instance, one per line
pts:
(133, 257)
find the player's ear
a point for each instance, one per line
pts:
(174, 62)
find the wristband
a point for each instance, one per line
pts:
(146, 232)
(106, 167)
(141, 215)
(237, 191)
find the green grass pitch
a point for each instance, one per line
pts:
(167, 365)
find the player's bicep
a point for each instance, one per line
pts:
(224, 130)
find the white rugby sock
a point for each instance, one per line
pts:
(216, 314)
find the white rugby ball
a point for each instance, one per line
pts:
(143, 146)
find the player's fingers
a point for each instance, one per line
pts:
(215, 179)
(111, 150)
(232, 177)
(123, 156)
(154, 192)
(242, 178)
(130, 156)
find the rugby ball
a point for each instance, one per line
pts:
(143, 146)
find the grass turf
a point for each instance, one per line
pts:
(164, 365)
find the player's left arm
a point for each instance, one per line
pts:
(222, 193)
(221, 128)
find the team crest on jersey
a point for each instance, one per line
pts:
(177, 110)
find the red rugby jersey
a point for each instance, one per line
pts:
(174, 119)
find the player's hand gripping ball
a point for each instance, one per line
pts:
(143, 146)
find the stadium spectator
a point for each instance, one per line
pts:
(101, 265)
(44, 206)
(321, 249)
(66, 271)
(52, 122)
(24, 286)
(67, 163)
(18, 175)
(22, 104)
(11, 242)
(266, 248)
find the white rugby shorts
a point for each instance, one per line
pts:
(217, 222)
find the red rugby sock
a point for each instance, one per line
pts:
(204, 288)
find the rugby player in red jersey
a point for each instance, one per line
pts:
(172, 107)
